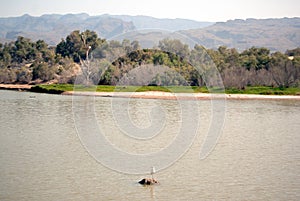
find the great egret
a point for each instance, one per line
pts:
(152, 171)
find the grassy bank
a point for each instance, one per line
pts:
(60, 88)
(261, 90)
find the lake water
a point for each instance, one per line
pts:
(44, 155)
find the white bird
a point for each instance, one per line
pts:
(152, 171)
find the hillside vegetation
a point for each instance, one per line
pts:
(85, 56)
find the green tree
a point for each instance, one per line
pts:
(44, 53)
(43, 71)
(77, 43)
(24, 50)
(174, 46)
(161, 58)
(257, 58)
(5, 56)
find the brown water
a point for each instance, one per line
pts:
(257, 156)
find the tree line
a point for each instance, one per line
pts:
(83, 55)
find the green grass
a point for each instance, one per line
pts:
(59, 88)
(262, 90)
(173, 89)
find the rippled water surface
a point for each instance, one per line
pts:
(257, 157)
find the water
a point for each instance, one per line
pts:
(257, 156)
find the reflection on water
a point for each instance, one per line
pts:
(42, 158)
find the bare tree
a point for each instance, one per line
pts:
(284, 75)
(86, 67)
(235, 77)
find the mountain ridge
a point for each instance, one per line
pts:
(53, 27)
(277, 34)
(148, 22)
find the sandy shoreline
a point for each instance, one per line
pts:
(163, 95)
(183, 96)
(15, 86)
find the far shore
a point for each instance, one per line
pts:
(162, 95)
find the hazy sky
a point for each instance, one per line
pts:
(208, 10)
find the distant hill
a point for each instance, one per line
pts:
(52, 28)
(146, 22)
(275, 34)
